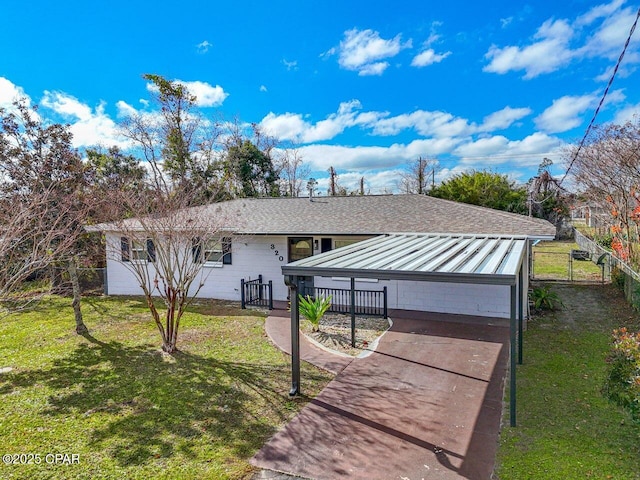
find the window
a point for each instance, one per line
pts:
(138, 250)
(213, 251)
(344, 243)
(133, 250)
(300, 248)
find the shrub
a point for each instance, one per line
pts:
(622, 385)
(314, 309)
(604, 240)
(544, 298)
(617, 278)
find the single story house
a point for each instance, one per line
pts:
(261, 235)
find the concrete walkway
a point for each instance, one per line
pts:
(278, 328)
(426, 405)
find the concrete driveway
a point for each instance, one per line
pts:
(426, 405)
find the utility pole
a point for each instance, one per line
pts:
(361, 185)
(421, 179)
(332, 181)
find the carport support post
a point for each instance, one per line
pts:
(520, 314)
(292, 282)
(353, 312)
(513, 353)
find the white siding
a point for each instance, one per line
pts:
(457, 298)
(251, 256)
(255, 255)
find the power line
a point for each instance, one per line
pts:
(604, 95)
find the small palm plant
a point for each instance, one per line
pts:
(545, 299)
(314, 309)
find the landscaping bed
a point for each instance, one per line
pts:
(335, 332)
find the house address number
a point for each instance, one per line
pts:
(276, 253)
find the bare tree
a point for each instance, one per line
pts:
(168, 238)
(293, 171)
(41, 202)
(607, 168)
(179, 145)
(168, 253)
(35, 233)
(418, 176)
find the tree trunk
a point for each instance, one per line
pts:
(81, 328)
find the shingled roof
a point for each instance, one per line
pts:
(356, 215)
(373, 214)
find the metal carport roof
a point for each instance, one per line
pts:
(414, 256)
(456, 258)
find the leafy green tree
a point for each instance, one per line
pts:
(483, 188)
(252, 170)
(112, 169)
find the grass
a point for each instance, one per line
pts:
(566, 429)
(551, 261)
(130, 411)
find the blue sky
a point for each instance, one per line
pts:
(366, 87)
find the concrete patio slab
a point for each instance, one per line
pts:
(426, 405)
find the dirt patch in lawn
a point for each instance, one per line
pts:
(335, 332)
(592, 307)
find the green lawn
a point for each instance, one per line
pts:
(129, 411)
(566, 429)
(551, 262)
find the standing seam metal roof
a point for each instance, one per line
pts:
(437, 257)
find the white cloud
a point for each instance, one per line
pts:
(9, 92)
(505, 22)
(125, 110)
(565, 113)
(559, 42)
(498, 150)
(599, 11)
(292, 126)
(426, 123)
(428, 57)
(547, 53)
(610, 36)
(206, 94)
(503, 118)
(66, 105)
(431, 124)
(627, 114)
(376, 68)
(263, 88)
(364, 50)
(321, 157)
(203, 47)
(89, 126)
(292, 65)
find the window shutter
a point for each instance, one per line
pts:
(151, 251)
(124, 249)
(196, 250)
(226, 250)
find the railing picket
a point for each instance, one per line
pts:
(368, 302)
